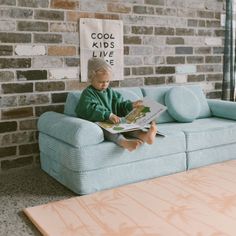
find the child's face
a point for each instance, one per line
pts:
(101, 80)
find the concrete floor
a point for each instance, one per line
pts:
(24, 188)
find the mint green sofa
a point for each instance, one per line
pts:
(198, 131)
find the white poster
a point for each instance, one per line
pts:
(102, 38)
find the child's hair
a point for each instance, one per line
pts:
(96, 64)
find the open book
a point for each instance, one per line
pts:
(138, 118)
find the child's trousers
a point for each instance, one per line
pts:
(117, 138)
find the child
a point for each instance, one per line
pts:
(98, 102)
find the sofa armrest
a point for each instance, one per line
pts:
(224, 109)
(74, 131)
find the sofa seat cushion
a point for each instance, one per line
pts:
(183, 104)
(210, 156)
(204, 133)
(107, 153)
(85, 182)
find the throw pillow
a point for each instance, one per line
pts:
(183, 105)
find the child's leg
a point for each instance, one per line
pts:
(147, 137)
(119, 139)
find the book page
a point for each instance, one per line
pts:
(138, 118)
(118, 128)
(145, 113)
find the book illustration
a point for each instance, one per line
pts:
(137, 114)
(118, 128)
(107, 125)
(138, 118)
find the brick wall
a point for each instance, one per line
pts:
(165, 41)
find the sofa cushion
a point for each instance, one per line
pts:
(182, 103)
(71, 130)
(205, 110)
(132, 93)
(71, 103)
(85, 182)
(107, 153)
(204, 133)
(212, 155)
(157, 93)
(223, 109)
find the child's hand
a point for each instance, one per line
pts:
(137, 103)
(114, 119)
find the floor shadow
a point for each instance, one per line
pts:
(29, 224)
(31, 181)
(26, 188)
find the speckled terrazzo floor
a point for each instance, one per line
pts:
(21, 189)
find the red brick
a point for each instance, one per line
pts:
(61, 51)
(28, 124)
(49, 15)
(120, 8)
(17, 88)
(75, 16)
(17, 113)
(15, 37)
(39, 110)
(154, 80)
(28, 149)
(15, 62)
(64, 4)
(8, 151)
(107, 16)
(50, 86)
(8, 126)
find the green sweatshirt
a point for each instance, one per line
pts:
(95, 105)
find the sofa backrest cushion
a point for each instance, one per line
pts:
(71, 103)
(183, 105)
(205, 109)
(132, 93)
(158, 94)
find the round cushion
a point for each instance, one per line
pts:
(183, 105)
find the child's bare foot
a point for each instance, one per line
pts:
(130, 144)
(149, 136)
